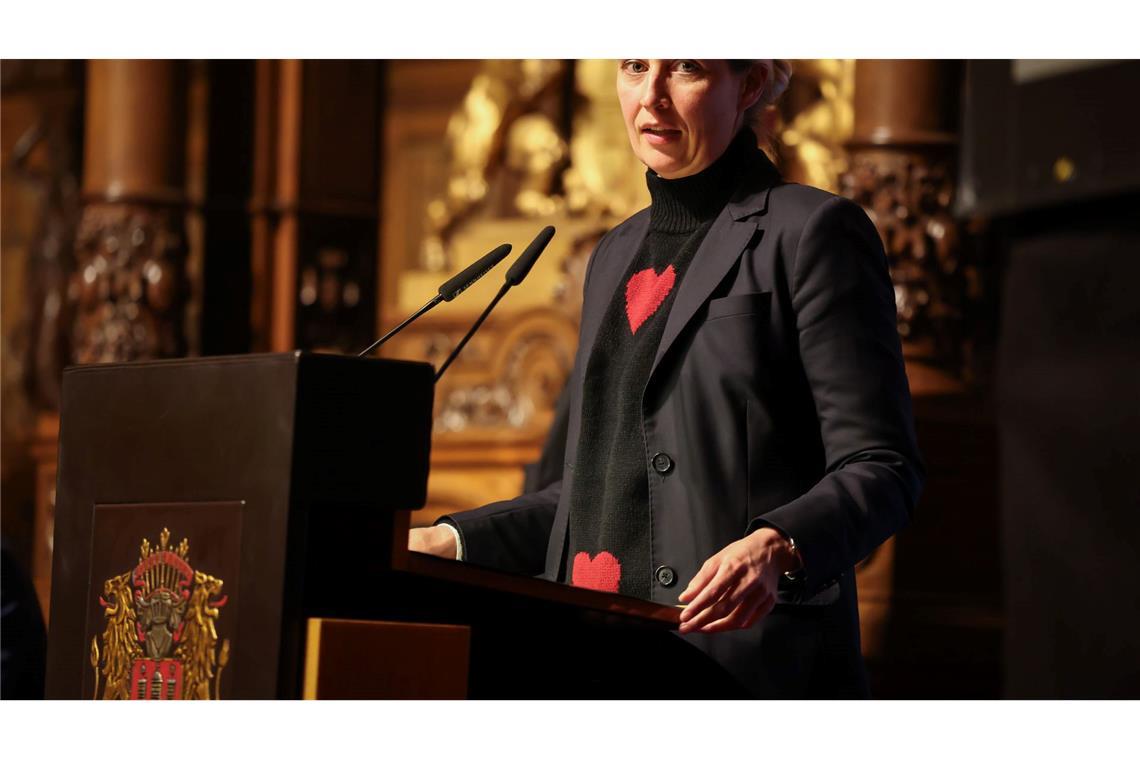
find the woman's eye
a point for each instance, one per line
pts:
(687, 67)
(633, 67)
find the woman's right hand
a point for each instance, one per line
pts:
(436, 540)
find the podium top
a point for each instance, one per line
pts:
(286, 357)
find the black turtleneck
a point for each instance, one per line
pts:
(609, 500)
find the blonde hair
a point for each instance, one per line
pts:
(778, 74)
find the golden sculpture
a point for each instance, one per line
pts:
(477, 137)
(818, 111)
(535, 152)
(604, 181)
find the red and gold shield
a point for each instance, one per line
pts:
(160, 640)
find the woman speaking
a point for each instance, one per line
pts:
(740, 430)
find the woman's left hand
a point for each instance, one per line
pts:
(736, 587)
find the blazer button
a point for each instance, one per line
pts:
(662, 462)
(666, 576)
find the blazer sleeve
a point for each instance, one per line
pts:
(509, 535)
(513, 535)
(849, 346)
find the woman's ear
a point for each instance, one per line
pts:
(752, 86)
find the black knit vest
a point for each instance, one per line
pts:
(610, 522)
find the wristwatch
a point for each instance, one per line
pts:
(796, 575)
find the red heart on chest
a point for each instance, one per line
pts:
(602, 573)
(644, 294)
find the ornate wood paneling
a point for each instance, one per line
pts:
(315, 204)
(129, 285)
(931, 625)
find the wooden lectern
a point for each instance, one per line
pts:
(236, 527)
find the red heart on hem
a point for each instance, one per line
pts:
(644, 293)
(602, 573)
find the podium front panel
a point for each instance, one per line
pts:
(193, 500)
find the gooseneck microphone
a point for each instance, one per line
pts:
(449, 290)
(515, 275)
(470, 275)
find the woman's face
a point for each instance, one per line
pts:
(682, 114)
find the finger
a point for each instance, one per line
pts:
(725, 578)
(745, 616)
(698, 586)
(736, 596)
(703, 576)
(720, 611)
(738, 617)
(709, 593)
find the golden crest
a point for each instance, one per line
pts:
(160, 641)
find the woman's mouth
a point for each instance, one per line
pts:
(660, 135)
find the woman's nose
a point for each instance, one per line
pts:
(656, 92)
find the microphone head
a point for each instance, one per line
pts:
(522, 266)
(473, 272)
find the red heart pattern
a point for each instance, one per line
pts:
(644, 293)
(602, 573)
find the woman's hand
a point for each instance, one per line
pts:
(736, 587)
(436, 540)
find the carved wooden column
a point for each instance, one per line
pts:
(930, 598)
(902, 171)
(128, 290)
(130, 285)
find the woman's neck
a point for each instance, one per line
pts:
(683, 204)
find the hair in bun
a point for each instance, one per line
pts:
(779, 74)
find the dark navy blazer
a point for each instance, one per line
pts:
(779, 393)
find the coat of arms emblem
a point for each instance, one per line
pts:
(160, 640)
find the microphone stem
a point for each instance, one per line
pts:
(429, 305)
(455, 352)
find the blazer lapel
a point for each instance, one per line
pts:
(730, 234)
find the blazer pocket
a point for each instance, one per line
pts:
(734, 306)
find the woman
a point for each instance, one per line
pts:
(739, 430)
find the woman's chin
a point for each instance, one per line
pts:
(664, 166)
(671, 170)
